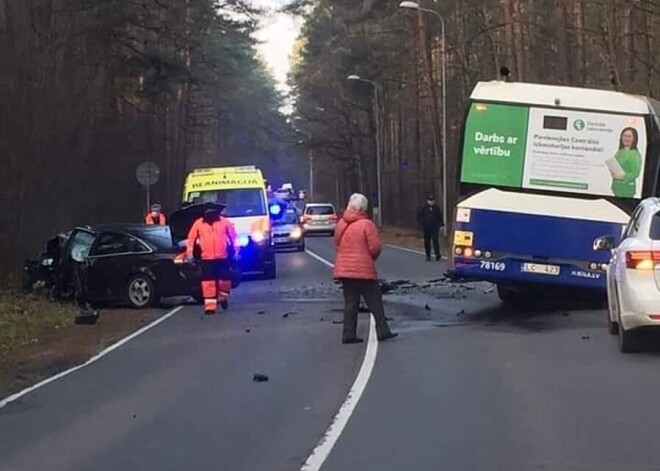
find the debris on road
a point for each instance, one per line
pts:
(261, 313)
(427, 307)
(247, 331)
(259, 378)
(87, 318)
(285, 315)
(585, 337)
(461, 312)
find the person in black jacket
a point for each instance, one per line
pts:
(430, 220)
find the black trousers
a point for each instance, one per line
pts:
(431, 235)
(370, 291)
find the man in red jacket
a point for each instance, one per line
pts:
(216, 237)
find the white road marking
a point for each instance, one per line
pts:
(332, 434)
(319, 258)
(406, 249)
(93, 359)
(326, 444)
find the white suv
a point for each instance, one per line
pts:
(633, 275)
(319, 218)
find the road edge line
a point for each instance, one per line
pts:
(324, 447)
(328, 440)
(13, 397)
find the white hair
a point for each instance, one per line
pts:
(358, 202)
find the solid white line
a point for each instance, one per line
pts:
(320, 259)
(332, 434)
(406, 249)
(327, 442)
(95, 358)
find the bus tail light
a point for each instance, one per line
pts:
(469, 252)
(642, 259)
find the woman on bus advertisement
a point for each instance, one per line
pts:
(628, 158)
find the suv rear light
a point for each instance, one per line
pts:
(306, 217)
(333, 217)
(642, 259)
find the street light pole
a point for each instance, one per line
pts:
(311, 174)
(415, 6)
(378, 147)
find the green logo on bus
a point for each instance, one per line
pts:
(579, 125)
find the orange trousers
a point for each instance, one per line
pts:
(216, 283)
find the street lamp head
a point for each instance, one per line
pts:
(409, 5)
(353, 77)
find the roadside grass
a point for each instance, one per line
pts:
(408, 238)
(26, 318)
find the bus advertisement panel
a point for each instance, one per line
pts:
(539, 182)
(560, 150)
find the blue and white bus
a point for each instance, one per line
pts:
(543, 171)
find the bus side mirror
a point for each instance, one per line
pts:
(604, 243)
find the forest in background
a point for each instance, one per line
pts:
(610, 44)
(89, 89)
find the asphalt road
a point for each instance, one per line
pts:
(468, 385)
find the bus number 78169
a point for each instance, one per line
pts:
(492, 266)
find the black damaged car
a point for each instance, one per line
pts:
(130, 264)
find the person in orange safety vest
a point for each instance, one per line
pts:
(155, 216)
(216, 237)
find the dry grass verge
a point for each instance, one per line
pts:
(38, 337)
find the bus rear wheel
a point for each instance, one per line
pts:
(510, 296)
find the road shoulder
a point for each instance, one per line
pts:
(47, 341)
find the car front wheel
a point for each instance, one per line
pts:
(627, 341)
(141, 291)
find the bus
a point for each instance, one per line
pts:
(242, 190)
(544, 171)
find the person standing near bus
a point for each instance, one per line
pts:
(630, 160)
(429, 218)
(216, 237)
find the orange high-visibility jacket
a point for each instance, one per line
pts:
(162, 220)
(213, 238)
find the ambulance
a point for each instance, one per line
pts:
(242, 190)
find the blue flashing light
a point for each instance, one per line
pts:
(243, 240)
(275, 209)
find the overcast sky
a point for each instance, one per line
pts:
(277, 34)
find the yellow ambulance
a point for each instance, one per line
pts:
(242, 190)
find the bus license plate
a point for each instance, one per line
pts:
(540, 269)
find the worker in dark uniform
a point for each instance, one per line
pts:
(430, 219)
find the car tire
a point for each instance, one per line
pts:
(270, 273)
(612, 327)
(628, 342)
(301, 248)
(612, 311)
(141, 291)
